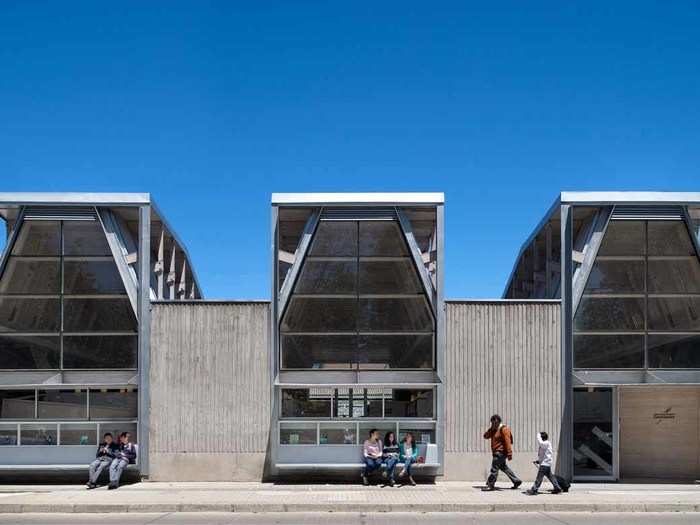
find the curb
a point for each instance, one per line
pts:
(74, 508)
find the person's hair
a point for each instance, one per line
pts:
(388, 443)
(108, 434)
(125, 434)
(496, 418)
(544, 436)
(413, 438)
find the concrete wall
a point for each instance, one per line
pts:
(500, 357)
(210, 391)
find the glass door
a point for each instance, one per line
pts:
(595, 434)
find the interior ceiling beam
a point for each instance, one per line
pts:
(407, 230)
(595, 235)
(303, 248)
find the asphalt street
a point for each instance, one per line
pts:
(328, 518)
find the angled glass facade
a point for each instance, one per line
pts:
(357, 327)
(77, 273)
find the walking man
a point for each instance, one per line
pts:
(502, 451)
(544, 460)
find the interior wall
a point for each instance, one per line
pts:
(500, 357)
(210, 391)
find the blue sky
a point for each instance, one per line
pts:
(212, 106)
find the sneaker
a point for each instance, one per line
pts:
(556, 491)
(531, 492)
(112, 486)
(365, 481)
(385, 474)
(489, 488)
(411, 481)
(392, 483)
(402, 473)
(517, 484)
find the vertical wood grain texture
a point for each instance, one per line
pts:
(210, 383)
(501, 357)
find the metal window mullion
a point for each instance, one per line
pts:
(646, 295)
(357, 301)
(63, 291)
(36, 403)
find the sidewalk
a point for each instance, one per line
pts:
(270, 497)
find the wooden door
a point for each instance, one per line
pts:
(659, 428)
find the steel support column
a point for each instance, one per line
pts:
(144, 305)
(566, 443)
(440, 336)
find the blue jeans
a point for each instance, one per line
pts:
(391, 462)
(371, 464)
(407, 462)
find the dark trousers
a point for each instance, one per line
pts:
(541, 473)
(499, 463)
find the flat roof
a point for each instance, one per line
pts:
(358, 199)
(629, 197)
(74, 198)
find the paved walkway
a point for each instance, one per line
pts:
(270, 497)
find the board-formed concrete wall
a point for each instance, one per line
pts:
(500, 357)
(210, 391)
(210, 386)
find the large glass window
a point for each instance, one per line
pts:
(63, 304)
(62, 404)
(358, 302)
(352, 403)
(641, 305)
(17, 404)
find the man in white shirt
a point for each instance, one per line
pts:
(544, 460)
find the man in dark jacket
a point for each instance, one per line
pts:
(125, 455)
(502, 451)
(106, 452)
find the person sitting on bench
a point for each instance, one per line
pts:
(408, 455)
(106, 452)
(125, 456)
(372, 453)
(390, 452)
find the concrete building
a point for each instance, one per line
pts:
(595, 340)
(77, 274)
(625, 266)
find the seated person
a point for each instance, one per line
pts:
(106, 452)
(372, 452)
(390, 453)
(125, 455)
(408, 455)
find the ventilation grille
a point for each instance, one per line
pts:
(358, 214)
(55, 213)
(659, 213)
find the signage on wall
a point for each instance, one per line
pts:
(666, 414)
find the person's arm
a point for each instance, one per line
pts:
(489, 433)
(539, 439)
(130, 453)
(507, 438)
(365, 449)
(414, 451)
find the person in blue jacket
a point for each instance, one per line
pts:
(125, 456)
(106, 452)
(408, 455)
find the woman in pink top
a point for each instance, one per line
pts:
(372, 453)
